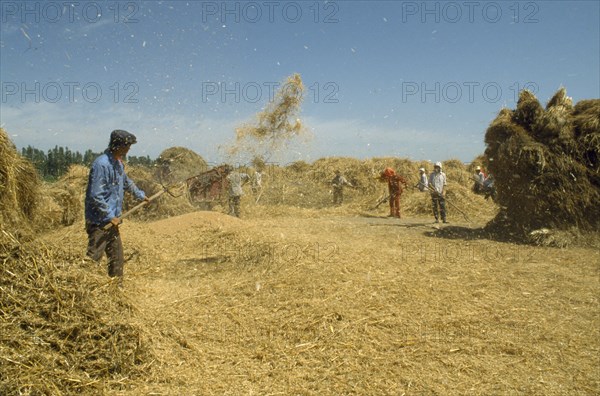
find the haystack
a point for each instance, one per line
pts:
(176, 164)
(166, 205)
(544, 167)
(65, 198)
(586, 124)
(19, 184)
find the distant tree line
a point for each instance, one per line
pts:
(55, 162)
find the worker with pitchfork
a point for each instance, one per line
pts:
(396, 186)
(107, 183)
(236, 180)
(338, 183)
(437, 188)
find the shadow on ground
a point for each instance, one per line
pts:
(470, 234)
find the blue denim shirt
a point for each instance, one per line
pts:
(106, 185)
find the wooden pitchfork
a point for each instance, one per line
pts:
(165, 189)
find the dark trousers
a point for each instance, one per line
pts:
(109, 242)
(338, 196)
(234, 205)
(441, 201)
(395, 204)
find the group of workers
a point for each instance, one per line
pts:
(484, 185)
(107, 183)
(435, 184)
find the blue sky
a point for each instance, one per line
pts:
(383, 78)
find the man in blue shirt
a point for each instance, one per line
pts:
(104, 201)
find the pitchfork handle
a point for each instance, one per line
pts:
(136, 207)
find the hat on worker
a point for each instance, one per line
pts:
(478, 167)
(388, 172)
(120, 138)
(438, 164)
(421, 169)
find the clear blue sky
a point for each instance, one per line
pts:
(384, 78)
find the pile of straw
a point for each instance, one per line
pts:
(65, 198)
(19, 186)
(166, 205)
(176, 164)
(65, 328)
(586, 124)
(545, 162)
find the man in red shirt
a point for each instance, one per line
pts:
(396, 185)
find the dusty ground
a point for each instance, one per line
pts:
(295, 301)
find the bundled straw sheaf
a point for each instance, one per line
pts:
(545, 163)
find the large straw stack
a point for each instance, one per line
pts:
(19, 185)
(545, 162)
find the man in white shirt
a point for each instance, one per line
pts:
(236, 181)
(423, 183)
(437, 182)
(479, 178)
(257, 182)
